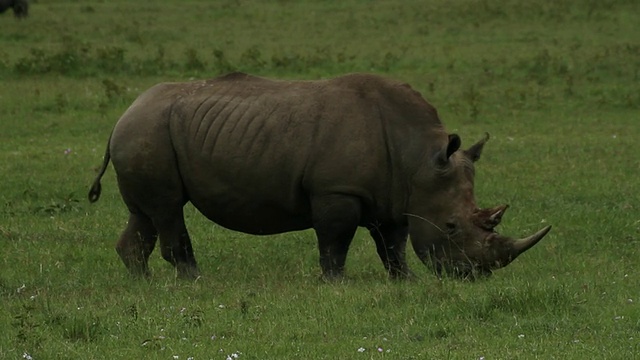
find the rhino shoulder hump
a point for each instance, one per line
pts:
(235, 77)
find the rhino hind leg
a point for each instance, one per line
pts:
(152, 189)
(175, 244)
(136, 244)
(335, 220)
(391, 242)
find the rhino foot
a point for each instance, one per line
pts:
(401, 275)
(332, 276)
(187, 271)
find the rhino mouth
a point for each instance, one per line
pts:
(474, 274)
(462, 271)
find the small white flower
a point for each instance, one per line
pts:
(521, 336)
(361, 349)
(26, 355)
(176, 357)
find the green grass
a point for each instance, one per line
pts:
(556, 83)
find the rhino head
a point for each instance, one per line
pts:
(449, 233)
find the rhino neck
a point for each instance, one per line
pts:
(409, 155)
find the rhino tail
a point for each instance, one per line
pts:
(21, 8)
(96, 188)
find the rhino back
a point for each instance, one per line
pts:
(251, 151)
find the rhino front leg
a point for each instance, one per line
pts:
(335, 220)
(136, 244)
(175, 244)
(391, 242)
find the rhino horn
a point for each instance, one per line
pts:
(496, 216)
(522, 245)
(488, 219)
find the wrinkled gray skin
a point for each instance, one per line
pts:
(20, 7)
(266, 157)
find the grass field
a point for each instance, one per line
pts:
(555, 82)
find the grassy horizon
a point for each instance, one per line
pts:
(555, 83)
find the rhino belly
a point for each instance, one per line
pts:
(250, 209)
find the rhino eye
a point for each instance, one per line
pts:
(451, 227)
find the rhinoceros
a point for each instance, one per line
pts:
(267, 156)
(20, 7)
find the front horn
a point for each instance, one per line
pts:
(522, 245)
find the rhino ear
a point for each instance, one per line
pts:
(452, 146)
(475, 150)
